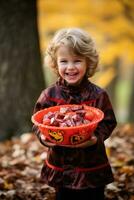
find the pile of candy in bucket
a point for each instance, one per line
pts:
(68, 124)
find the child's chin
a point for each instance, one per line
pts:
(73, 83)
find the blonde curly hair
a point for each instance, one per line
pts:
(81, 43)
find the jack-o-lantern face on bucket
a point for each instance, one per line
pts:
(57, 136)
(76, 139)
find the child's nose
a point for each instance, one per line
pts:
(70, 65)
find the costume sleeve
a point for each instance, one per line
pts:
(107, 125)
(41, 103)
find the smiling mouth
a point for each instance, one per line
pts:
(71, 74)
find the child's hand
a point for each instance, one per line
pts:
(87, 143)
(46, 142)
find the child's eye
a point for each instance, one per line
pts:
(77, 61)
(63, 61)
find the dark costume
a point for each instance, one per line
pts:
(78, 168)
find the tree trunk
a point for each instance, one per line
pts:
(111, 88)
(131, 105)
(21, 74)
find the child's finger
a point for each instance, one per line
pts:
(43, 137)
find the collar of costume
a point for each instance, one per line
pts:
(70, 88)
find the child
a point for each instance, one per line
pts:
(81, 171)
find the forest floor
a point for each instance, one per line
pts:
(21, 161)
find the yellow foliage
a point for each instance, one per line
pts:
(123, 48)
(106, 77)
(109, 23)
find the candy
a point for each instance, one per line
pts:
(68, 117)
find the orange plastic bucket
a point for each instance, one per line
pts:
(67, 135)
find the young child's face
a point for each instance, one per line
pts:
(71, 67)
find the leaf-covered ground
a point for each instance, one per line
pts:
(21, 160)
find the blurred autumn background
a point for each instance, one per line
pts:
(25, 30)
